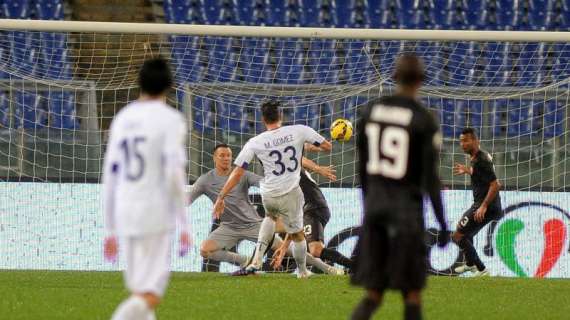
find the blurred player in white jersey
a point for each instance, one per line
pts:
(280, 150)
(144, 181)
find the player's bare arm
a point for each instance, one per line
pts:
(279, 254)
(494, 188)
(233, 180)
(326, 171)
(313, 148)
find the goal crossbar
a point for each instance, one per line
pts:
(284, 32)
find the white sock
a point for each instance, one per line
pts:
(266, 232)
(151, 316)
(228, 256)
(318, 263)
(134, 308)
(300, 255)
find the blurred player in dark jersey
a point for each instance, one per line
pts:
(317, 214)
(486, 201)
(398, 143)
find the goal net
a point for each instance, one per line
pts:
(62, 83)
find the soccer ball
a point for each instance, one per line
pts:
(341, 130)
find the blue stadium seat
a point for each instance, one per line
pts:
(232, 118)
(222, 67)
(4, 111)
(349, 107)
(289, 66)
(519, 117)
(203, 114)
(29, 112)
(62, 108)
(325, 116)
(227, 16)
(185, 51)
(447, 111)
(309, 15)
(16, 9)
(306, 115)
(499, 117)
(245, 12)
(50, 10)
(554, 115)
(56, 64)
(342, 16)
(359, 67)
(469, 113)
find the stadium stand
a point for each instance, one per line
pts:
(489, 66)
(51, 63)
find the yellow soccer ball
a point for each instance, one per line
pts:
(341, 130)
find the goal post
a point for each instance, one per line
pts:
(62, 82)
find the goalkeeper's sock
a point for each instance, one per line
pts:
(364, 309)
(228, 256)
(300, 255)
(134, 308)
(336, 257)
(266, 232)
(471, 256)
(412, 312)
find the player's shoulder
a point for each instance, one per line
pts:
(484, 156)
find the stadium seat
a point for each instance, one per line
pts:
(447, 117)
(325, 116)
(309, 15)
(519, 117)
(49, 10)
(554, 114)
(499, 116)
(4, 111)
(350, 105)
(56, 64)
(185, 51)
(203, 114)
(29, 113)
(306, 115)
(62, 109)
(16, 9)
(232, 118)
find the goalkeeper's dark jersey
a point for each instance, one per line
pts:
(314, 198)
(398, 143)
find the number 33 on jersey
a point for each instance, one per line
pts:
(280, 151)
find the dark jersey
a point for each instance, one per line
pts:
(481, 178)
(314, 198)
(398, 143)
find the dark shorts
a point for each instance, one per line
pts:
(313, 227)
(389, 259)
(467, 224)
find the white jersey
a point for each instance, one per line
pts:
(144, 170)
(280, 152)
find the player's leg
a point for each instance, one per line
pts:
(146, 276)
(315, 234)
(368, 305)
(218, 243)
(292, 205)
(466, 229)
(266, 232)
(412, 305)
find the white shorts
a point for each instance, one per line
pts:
(148, 263)
(289, 207)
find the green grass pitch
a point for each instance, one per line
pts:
(94, 295)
